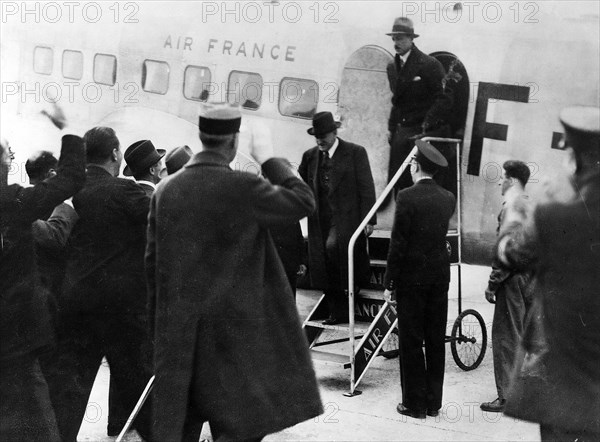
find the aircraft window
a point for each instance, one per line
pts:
(155, 76)
(43, 60)
(298, 97)
(196, 83)
(105, 69)
(72, 64)
(245, 88)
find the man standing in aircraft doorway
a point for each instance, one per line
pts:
(419, 103)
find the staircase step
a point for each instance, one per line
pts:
(330, 358)
(359, 326)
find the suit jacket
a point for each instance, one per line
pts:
(418, 92)
(24, 316)
(565, 246)
(351, 196)
(226, 324)
(105, 269)
(417, 252)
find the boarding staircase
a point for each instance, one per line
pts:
(371, 328)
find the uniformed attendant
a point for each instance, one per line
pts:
(418, 270)
(556, 381)
(229, 348)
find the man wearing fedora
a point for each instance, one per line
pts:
(419, 103)
(339, 175)
(144, 163)
(102, 311)
(229, 344)
(175, 160)
(418, 272)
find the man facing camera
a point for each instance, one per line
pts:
(339, 175)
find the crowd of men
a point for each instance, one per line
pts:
(193, 280)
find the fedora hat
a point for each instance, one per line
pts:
(403, 25)
(177, 158)
(323, 123)
(141, 155)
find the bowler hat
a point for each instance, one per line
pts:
(428, 155)
(403, 25)
(582, 127)
(220, 119)
(177, 158)
(141, 155)
(323, 123)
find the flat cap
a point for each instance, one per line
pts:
(429, 155)
(220, 119)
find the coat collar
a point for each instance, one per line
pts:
(207, 157)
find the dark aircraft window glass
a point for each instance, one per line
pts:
(298, 97)
(155, 76)
(72, 64)
(105, 69)
(43, 60)
(245, 89)
(196, 83)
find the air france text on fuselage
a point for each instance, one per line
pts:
(247, 49)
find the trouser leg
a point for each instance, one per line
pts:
(412, 359)
(507, 329)
(436, 312)
(26, 413)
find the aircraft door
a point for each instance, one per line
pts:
(364, 107)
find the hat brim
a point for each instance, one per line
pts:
(404, 33)
(311, 130)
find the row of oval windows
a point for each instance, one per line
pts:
(297, 97)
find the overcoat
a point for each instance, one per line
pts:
(24, 315)
(226, 325)
(351, 196)
(557, 375)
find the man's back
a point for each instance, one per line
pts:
(418, 245)
(110, 234)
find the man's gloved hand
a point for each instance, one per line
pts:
(490, 296)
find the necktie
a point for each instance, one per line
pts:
(400, 64)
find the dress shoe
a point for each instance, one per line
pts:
(408, 412)
(433, 413)
(496, 406)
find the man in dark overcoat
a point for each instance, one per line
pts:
(102, 312)
(556, 381)
(340, 177)
(420, 104)
(229, 348)
(418, 270)
(25, 322)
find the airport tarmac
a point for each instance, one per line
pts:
(372, 415)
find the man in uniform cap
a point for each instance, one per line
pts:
(229, 348)
(557, 376)
(144, 163)
(175, 160)
(340, 176)
(418, 271)
(419, 103)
